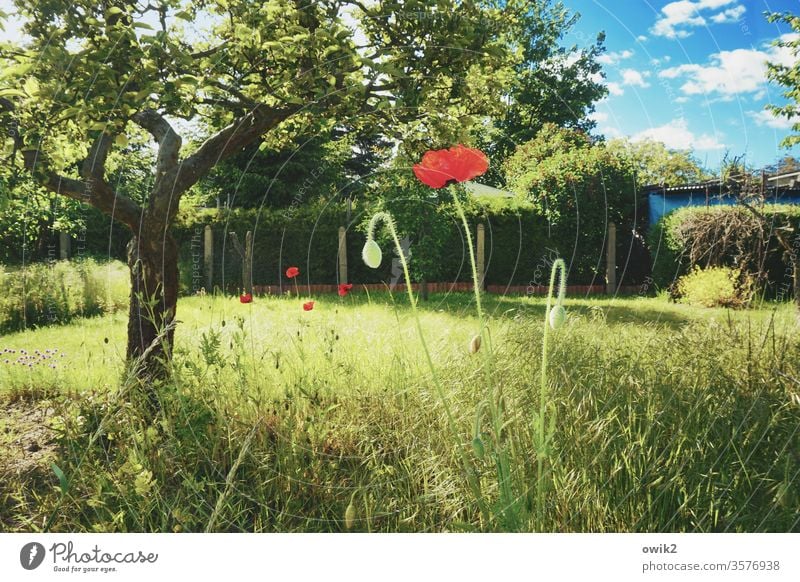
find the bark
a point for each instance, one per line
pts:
(153, 261)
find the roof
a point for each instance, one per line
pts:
(477, 189)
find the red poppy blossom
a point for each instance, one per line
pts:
(308, 306)
(344, 289)
(292, 272)
(458, 164)
(246, 298)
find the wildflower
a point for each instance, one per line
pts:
(308, 306)
(344, 289)
(292, 272)
(475, 344)
(246, 298)
(439, 168)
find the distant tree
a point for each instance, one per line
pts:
(576, 184)
(654, 163)
(784, 165)
(551, 83)
(788, 76)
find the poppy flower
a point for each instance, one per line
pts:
(246, 298)
(292, 272)
(458, 164)
(344, 289)
(308, 306)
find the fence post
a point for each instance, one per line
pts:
(342, 255)
(208, 258)
(64, 245)
(481, 252)
(611, 259)
(247, 275)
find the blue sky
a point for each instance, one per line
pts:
(690, 73)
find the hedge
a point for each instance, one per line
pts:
(520, 246)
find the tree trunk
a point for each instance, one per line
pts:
(423, 289)
(153, 261)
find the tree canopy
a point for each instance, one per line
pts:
(788, 76)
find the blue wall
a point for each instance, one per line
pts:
(661, 204)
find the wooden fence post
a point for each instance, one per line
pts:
(248, 262)
(246, 254)
(611, 259)
(208, 258)
(64, 245)
(342, 254)
(481, 252)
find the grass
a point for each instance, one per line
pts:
(669, 418)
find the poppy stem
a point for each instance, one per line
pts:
(543, 441)
(472, 478)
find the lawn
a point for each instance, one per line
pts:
(664, 418)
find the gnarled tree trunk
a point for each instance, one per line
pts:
(153, 261)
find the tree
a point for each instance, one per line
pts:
(788, 76)
(577, 185)
(93, 73)
(654, 163)
(550, 83)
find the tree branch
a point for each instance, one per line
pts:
(229, 140)
(169, 142)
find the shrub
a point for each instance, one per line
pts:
(715, 287)
(55, 293)
(721, 236)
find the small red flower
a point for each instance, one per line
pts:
(458, 164)
(344, 289)
(292, 272)
(308, 306)
(246, 298)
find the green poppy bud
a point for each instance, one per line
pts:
(557, 316)
(372, 254)
(475, 345)
(350, 515)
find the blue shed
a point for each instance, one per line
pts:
(781, 189)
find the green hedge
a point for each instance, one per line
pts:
(54, 293)
(520, 245)
(668, 241)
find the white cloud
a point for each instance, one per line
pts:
(598, 116)
(729, 15)
(615, 89)
(676, 135)
(677, 18)
(634, 78)
(731, 73)
(641, 38)
(614, 57)
(766, 118)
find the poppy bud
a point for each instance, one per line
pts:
(350, 515)
(475, 344)
(557, 316)
(372, 254)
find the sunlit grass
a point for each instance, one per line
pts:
(670, 418)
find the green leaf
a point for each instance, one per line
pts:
(183, 15)
(62, 478)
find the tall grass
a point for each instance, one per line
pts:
(280, 420)
(55, 293)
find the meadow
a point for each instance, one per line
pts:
(664, 417)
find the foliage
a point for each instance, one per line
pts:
(715, 287)
(577, 186)
(324, 411)
(722, 236)
(654, 163)
(550, 83)
(788, 76)
(60, 291)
